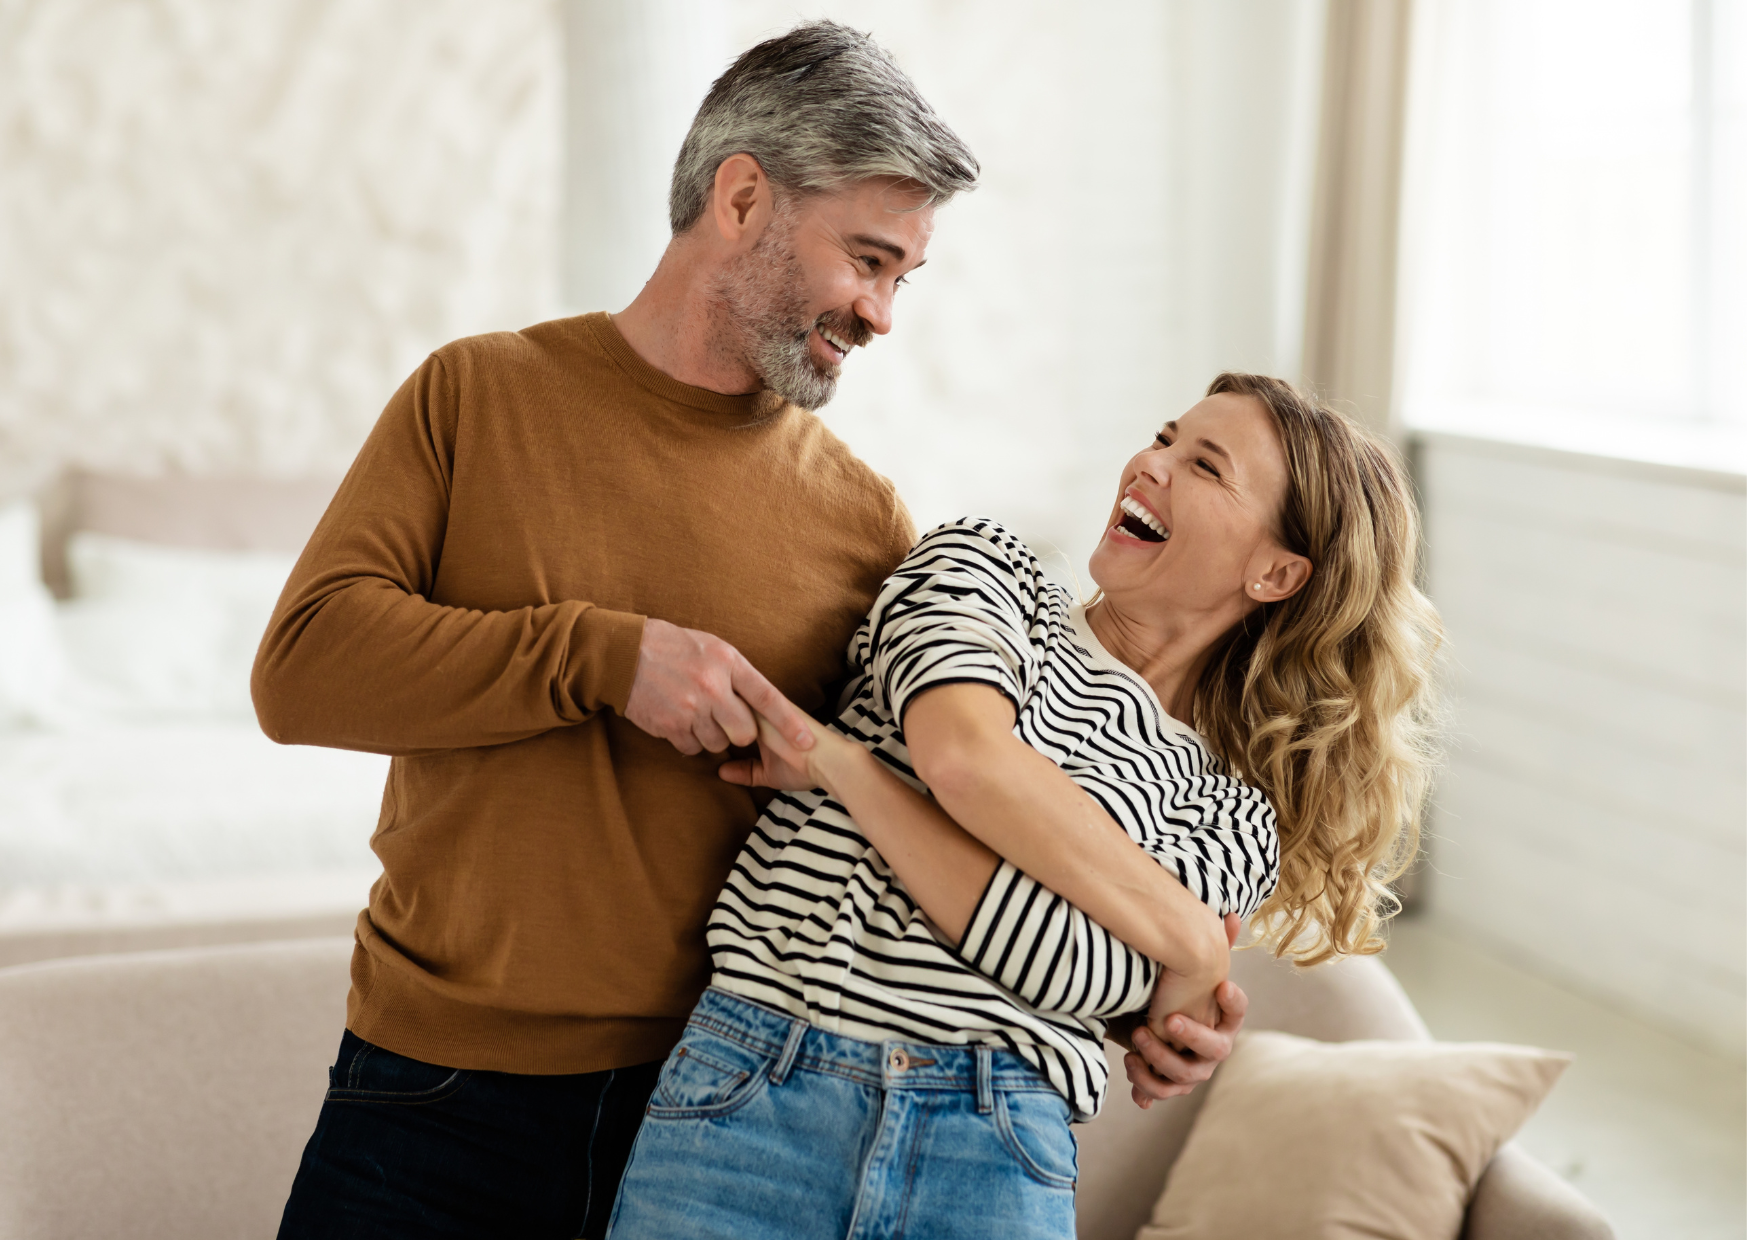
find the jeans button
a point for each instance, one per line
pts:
(897, 1061)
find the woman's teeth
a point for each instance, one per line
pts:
(1151, 523)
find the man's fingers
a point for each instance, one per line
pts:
(1146, 1083)
(763, 697)
(1205, 1042)
(1234, 1003)
(736, 721)
(709, 735)
(1167, 1062)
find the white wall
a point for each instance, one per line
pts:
(229, 228)
(1591, 821)
(1139, 227)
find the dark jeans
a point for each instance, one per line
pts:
(410, 1149)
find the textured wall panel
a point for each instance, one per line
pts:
(228, 228)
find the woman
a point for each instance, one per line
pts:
(911, 990)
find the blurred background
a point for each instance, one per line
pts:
(1512, 236)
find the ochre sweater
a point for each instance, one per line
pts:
(472, 604)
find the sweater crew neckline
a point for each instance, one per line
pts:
(747, 407)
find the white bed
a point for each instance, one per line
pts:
(140, 805)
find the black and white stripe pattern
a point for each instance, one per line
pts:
(812, 921)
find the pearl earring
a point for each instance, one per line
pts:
(1257, 586)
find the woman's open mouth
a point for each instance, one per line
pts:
(1139, 523)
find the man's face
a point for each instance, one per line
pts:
(820, 280)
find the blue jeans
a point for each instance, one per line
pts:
(762, 1125)
(405, 1148)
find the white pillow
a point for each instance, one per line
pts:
(30, 665)
(159, 630)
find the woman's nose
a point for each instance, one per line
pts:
(1155, 465)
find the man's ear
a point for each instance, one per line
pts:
(1276, 576)
(740, 205)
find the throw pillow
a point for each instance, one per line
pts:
(1304, 1140)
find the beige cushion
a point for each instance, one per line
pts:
(1305, 1140)
(1126, 1152)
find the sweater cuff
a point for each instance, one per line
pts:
(603, 658)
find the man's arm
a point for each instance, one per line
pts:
(357, 657)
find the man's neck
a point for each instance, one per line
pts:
(679, 325)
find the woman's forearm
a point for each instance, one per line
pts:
(1024, 807)
(945, 868)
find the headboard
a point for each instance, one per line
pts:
(222, 513)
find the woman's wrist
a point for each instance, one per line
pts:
(835, 759)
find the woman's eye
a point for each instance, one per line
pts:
(1204, 464)
(901, 282)
(1162, 441)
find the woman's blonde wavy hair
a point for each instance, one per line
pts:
(1325, 700)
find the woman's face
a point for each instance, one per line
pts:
(1193, 528)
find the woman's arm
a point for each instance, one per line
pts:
(1024, 807)
(1025, 937)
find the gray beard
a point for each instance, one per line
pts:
(762, 293)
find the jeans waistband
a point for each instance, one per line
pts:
(892, 1064)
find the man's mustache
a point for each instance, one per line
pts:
(847, 326)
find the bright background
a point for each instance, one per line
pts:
(229, 228)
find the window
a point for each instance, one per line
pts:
(1574, 267)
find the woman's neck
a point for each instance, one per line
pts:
(1169, 654)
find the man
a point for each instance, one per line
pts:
(566, 568)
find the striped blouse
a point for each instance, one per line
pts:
(813, 922)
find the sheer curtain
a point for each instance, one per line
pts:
(1573, 257)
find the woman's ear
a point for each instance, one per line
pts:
(1276, 576)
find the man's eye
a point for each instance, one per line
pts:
(901, 282)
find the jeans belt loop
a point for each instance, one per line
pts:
(985, 1090)
(791, 1048)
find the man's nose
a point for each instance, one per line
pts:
(875, 309)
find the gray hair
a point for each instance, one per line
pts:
(819, 108)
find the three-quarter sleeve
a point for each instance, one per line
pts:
(1055, 958)
(960, 608)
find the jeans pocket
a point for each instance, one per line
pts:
(365, 1072)
(1034, 1128)
(708, 1075)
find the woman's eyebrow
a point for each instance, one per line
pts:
(1217, 450)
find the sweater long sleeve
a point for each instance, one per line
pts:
(359, 657)
(472, 604)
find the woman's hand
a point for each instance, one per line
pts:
(781, 764)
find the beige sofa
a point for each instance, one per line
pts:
(168, 1094)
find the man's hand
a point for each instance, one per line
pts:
(698, 692)
(1156, 1070)
(1175, 1050)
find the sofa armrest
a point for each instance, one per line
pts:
(1519, 1198)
